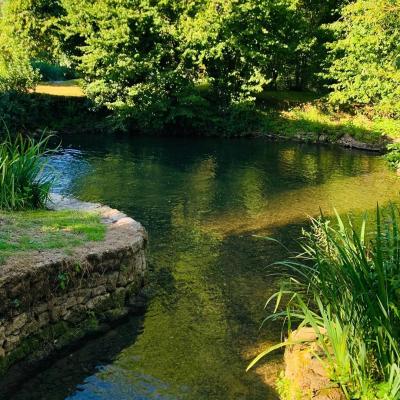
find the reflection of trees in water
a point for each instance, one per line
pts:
(188, 338)
(196, 198)
(346, 194)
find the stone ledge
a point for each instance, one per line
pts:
(48, 299)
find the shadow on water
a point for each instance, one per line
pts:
(203, 202)
(63, 378)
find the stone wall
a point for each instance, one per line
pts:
(49, 300)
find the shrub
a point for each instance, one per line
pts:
(23, 183)
(365, 64)
(393, 155)
(346, 285)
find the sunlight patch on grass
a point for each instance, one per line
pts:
(69, 88)
(309, 119)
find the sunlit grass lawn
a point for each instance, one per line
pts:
(25, 231)
(310, 119)
(69, 88)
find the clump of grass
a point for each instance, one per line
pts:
(314, 119)
(346, 286)
(23, 184)
(24, 231)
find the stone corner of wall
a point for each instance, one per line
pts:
(50, 301)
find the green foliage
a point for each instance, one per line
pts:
(393, 155)
(366, 63)
(345, 285)
(16, 72)
(23, 184)
(35, 26)
(144, 60)
(130, 61)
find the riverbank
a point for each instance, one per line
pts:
(54, 296)
(278, 115)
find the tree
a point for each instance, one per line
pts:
(16, 72)
(130, 59)
(34, 24)
(365, 63)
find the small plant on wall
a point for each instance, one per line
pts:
(23, 181)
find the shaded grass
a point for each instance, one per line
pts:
(41, 230)
(282, 99)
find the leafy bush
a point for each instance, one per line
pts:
(346, 285)
(16, 72)
(393, 155)
(23, 184)
(366, 64)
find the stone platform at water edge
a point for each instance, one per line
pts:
(102, 282)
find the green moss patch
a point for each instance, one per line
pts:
(44, 230)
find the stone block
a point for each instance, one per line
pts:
(16, 324)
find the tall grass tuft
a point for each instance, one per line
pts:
(346, 286)
(23, 183)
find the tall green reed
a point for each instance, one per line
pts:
(346, 286)
(23, 181)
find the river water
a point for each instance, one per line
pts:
(207, 204)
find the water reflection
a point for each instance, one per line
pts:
(202, 201)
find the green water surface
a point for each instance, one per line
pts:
(204, 202)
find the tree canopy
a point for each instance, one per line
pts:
(158, 63)
(365, 56)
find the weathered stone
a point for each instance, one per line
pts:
(11, 342)
(98, 291)
(56, 312)
(97, 301)
(41, 308)
(17, 323)
(306, 374)
(83, 295)
(43, 319)
(37, 315)
(70, 302)
(112, 280)
(348, 141)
